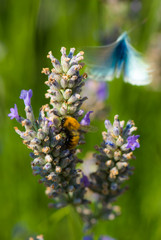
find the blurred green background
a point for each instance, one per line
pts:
(28, 30)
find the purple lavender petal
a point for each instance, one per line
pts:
(49, 121)
(14, 113)
(26, 96)
(102, 92)
(84, 180)
(86, 120)
(132, 142)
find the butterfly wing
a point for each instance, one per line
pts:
(102, 62)
(106, 62)
(136, 70)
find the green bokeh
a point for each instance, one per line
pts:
(28, 30)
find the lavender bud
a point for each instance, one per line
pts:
(75, 97)
(64, 82)
(48, 158)
(73, 70)
(63, 110)
(67, 94)
(55, 62)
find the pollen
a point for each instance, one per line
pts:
(46, 149)
(58, 169)
(45, 71)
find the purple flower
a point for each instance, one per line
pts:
(86, 120)
(88, 238)
(132, 142)
(49, 122)
(84, 180)
(26, 96)
(14, 113)
(102, 92)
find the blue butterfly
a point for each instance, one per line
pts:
(110, 61)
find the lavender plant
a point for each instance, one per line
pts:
(113, 170)
(53, 160)
(55, 144)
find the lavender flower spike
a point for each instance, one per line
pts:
(14, 113)
(113, 169)
(132, 142)
(53, 159)
(86, 120)
(26, 96)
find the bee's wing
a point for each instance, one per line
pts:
(88, 128)
(136, 71)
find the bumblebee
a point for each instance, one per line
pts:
(73, 128)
